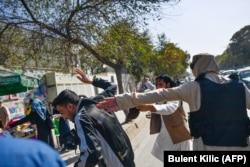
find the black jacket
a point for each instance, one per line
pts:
(104, 139)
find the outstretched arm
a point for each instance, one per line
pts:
(162, 109)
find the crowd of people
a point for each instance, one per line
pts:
(217, 120)
(218, 117)
(102, 139)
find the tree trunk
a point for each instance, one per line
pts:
(118, 72)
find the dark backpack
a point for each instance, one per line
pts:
(71, 140)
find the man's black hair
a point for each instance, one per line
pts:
(55, 111)
(65, 97)
(166, 79)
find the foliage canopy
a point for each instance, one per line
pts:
(237, 53)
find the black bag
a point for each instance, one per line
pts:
(71, 140)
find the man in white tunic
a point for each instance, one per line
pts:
(170, 121)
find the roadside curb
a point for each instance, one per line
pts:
(132, 128)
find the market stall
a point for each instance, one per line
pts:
(14, 88)
(13, 83)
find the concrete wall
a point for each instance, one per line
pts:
(57, 82)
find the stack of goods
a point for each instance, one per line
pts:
(25, 130)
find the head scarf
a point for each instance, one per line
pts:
(39, 107)
(203, 63)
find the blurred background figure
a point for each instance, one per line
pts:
(63, 130)
(41, 117)
(17, 152)
(146, 84)
(4, 115)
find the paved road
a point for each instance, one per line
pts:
(142, 145)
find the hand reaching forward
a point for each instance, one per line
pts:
(83, 77)
(108, 104)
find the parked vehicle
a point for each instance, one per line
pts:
(244, 75)
(227, 72)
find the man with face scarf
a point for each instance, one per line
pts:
(218, 117)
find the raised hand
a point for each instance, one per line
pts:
(83, 77)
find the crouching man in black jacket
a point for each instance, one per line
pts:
(102, 138)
